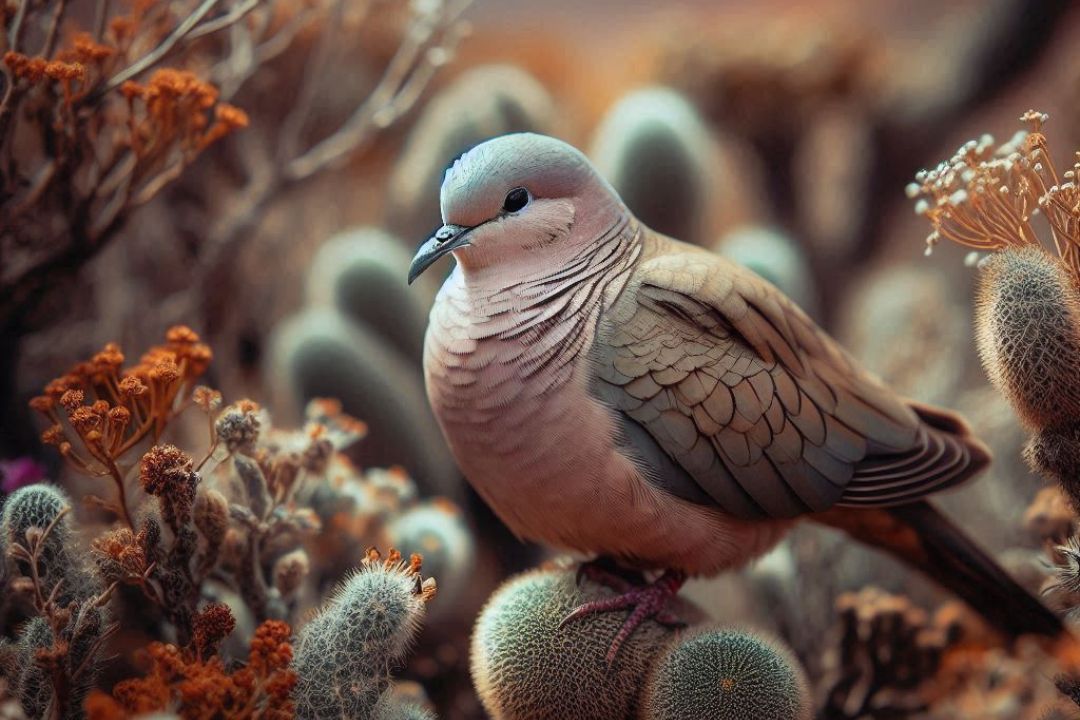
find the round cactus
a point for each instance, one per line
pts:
(1027, 319)
(482, 103)
(344, 655)
(437, 530)
(362, 273)
(319, 353)
(775, 257)
(525, 666)
(35, 506)
(391, 707)
(654, 148)
(726, 675)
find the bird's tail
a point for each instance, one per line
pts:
(924, 538)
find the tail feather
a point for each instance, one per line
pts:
(921, 536)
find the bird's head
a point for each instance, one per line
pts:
(519, 200)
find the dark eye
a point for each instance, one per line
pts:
(516, 199)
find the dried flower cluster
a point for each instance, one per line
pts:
(195, 682)
(99, 411)
(196, 548)
(986, 196)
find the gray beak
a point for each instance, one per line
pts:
(445, 239)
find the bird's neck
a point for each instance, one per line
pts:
(602, 262)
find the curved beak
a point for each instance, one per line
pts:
(445, 239)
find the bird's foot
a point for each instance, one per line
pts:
(646, 602)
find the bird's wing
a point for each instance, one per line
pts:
(746, 403)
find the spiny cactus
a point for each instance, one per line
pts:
(437, 530)
(319, 353)
(482, 103)
(38, 506)
(654, 148)
(726, 675)
(344, 655)
(1028, 333)
(391, 707)
(774, 256)
(30, 683)
(526, 667)
(362, 273)
(1027, 317)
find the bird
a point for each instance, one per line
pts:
(612, 391)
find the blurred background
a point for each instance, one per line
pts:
(779, 133)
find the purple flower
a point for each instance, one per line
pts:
(18, 473)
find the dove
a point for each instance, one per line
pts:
(618, 393)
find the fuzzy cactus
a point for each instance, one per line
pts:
(656, 151)
(319, 353)
(1028, 333)
(525, 666)
(482, 103)
(38, 507)
(726, 675)
(437, 530)
(391, 707)
(345, 654)
(362, 273)
(774, 256)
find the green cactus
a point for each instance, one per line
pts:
(38, 506)
(390, 707)
(482, 103)
(774, 256)
(526, 667)
(1027, 318)
(437, 530)
(362, 273)
(656, 151)
(726, 675)
(345, 654)
(319, 353)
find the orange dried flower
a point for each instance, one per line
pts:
(31, 69)
(57, 70)
(210, 627)
(84, 419)
(72, 399)
(53, 436)
(42, 404)
(131, 386)
(207, 398)
(162, 467)
(181, 335)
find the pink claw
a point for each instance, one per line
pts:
(647, 602)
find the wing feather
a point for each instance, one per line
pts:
(760, 410)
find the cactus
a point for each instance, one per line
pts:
(437, 530)
(525, 666)
(1027, 317)
(318, 353)
(344, 655)
(38, 506)
(726, 675)
(775, 257)
(482, 103)
(362, 273)
(390, 707)
(654, 148)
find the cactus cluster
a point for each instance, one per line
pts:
(56, 655)
(345, 654)
(526, 663)
(360, 341)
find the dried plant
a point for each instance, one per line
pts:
(194, 682)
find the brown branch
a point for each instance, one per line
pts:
(164, 48)
(54, 27)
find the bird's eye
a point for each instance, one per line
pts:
(516, 199)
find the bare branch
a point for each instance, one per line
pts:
(163, 49)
